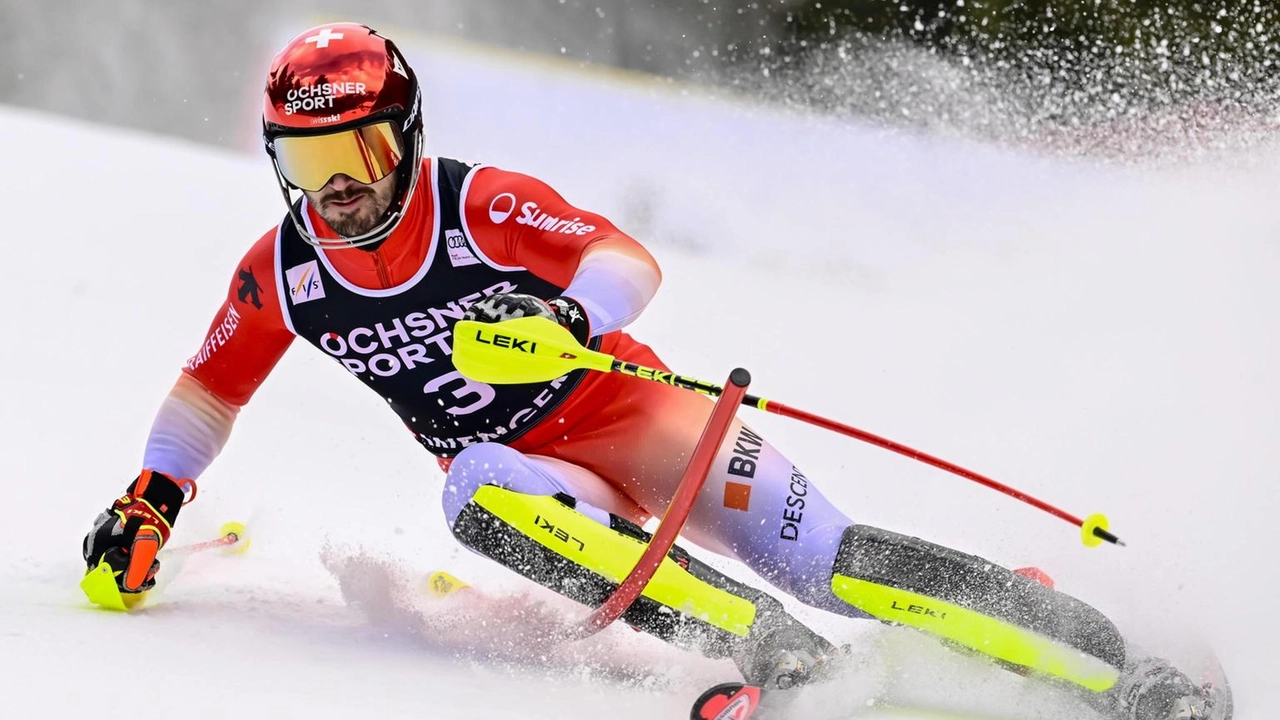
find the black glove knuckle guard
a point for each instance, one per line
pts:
(508, 306)
(564, 311)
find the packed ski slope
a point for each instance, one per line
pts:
(1105, 339)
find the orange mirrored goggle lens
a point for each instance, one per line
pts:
(365, 154)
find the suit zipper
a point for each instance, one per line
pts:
(384, 276)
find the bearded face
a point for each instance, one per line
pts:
(352, 208)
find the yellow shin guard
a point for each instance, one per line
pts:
(546, 540)
(977, 604)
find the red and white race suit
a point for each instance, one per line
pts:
(615, 443)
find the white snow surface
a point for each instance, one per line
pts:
(1102, 338)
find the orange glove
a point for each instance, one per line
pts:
(129, 534)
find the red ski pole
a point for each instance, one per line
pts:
(1094, 529)
(230, 534)
(534, 349)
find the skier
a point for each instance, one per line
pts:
(386, 248)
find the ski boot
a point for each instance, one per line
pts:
(785, 657)
(1152, 689)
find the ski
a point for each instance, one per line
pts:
(729, 701)
(740, 701)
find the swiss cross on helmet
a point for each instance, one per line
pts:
(340, 100)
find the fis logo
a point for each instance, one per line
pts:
(304, 283)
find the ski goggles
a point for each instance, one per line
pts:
(366, 154)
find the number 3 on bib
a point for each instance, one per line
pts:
(463, 388)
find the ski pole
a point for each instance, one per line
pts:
(535, 349)
(230, 535)
(695, 475)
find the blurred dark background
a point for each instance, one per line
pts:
(1036, 70)
(1079, 61)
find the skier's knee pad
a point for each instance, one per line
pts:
(908, 581)
(545, 539)
(479, 465)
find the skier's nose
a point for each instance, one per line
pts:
(339, 183)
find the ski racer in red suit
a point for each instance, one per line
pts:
(385, 249)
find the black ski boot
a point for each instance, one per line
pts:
(785, 656)
(1152, 689)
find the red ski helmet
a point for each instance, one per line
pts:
(340, 99)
